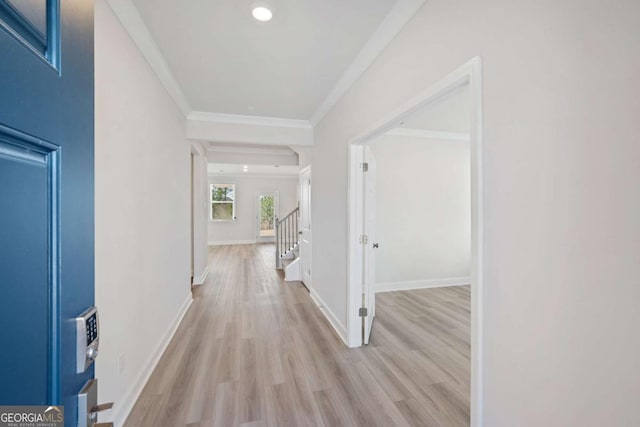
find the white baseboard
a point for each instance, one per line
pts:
(333, 320)
(422, 284)
(232, 242)
(131, 396)
(199, 280)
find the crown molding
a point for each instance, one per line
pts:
(429, 134)
(240, 119)
(133, 23)
(390, 26)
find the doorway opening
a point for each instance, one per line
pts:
(408, 122)
(267, 208)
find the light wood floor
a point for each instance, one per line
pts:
(255, 351)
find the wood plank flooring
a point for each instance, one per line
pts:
(255, 351)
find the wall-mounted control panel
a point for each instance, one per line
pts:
(87, 338)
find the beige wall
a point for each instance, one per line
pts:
(562, 236)
(142, 214)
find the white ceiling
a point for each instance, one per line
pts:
(226, 62)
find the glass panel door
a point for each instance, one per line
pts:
(267, 209)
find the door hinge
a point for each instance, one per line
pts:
(364, 239)
(364, 167)
(362, 312)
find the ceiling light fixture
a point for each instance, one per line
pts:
(261, 12)
(245, 168)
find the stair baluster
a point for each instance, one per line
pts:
(287, 235)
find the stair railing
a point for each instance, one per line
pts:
(287, 234)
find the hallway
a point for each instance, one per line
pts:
(255, 351)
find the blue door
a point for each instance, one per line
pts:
(46, 198)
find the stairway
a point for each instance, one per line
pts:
(287, 245)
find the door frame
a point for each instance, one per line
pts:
(469, 73)
(276, 213)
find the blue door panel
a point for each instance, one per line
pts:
(51, 107)
(25, 291)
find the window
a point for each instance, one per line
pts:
(223, 204)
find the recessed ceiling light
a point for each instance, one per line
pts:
(261, 12)
(245, 168)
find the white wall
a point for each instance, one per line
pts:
(243, 229)
(142, 213)
(422, 211)
(200, 213)
(561, 167)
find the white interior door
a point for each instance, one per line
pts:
(266, 210)
(370, 244)
(305, 225)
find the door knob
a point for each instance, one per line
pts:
(92, 353)
(375, 246)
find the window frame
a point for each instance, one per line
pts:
(232, 202)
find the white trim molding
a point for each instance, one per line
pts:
(124, 406)
(200, 279)
(392, 24)
(231, 242)
(422, 284)
(430, 134)
(329, 315)
(133, 23)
